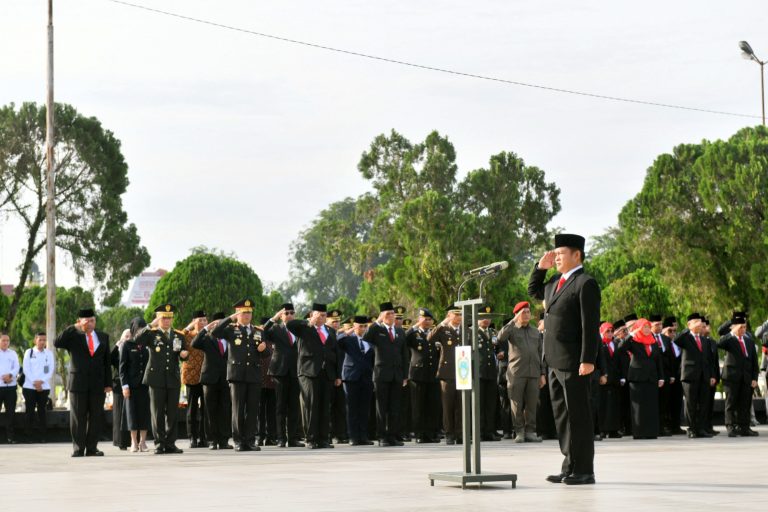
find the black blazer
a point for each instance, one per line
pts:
(738, 367)
(571, 318)
(214, 369)
(392, 356)
(133, 364)
(114, 361)
(284, 354)
(668, 360)
(86, 373)
(642, 367)
(695, 364)
(313, 356)
(714, 359)
(486, 354)
(357, 366)
(424, 356)
(243, 358)
(613, 370)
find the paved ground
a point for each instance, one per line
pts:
(665, 474)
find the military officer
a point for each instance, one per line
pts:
(422, 379)
(487, 342)
(446, 337)
(166, 348)
(245, 352)
(406, 422)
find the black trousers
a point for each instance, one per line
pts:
(488, 400)
(696, 403)
(218, 412)
(738, 401)
(425, 407)
(451, 401)
(572, 408)
(164, 408)
(195, 412)
(664, 420)
(245, 411)
(406, 420)
(8, 402)
(35, 402)
(316, 393)
(267, 422)
(359, 394)
(86, 415)
(120, 438)
(287, 407)
(505, 408)
(338, 413)
(545, 417)
(388, 397)
(675, 403)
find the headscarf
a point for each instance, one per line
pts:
(137, 324)
(637, 333)
(606, 326)
(124, 337)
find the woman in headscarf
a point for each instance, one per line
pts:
(120, 436)
(133, 363)
(610, 391)
(645, 376)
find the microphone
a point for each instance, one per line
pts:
(487, 270)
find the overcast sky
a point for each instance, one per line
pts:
(237, 142)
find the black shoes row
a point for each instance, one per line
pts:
(87, 453)
(572, 478)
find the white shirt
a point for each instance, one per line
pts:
(35, 363)
(363, 343)
(568, 274)
(95, 340)
(9, 363)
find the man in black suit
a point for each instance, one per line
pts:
(245, 350)
(739, 377)
(422, 379)
(696, 374)
(90, 377)
(715, 365)
(668, 367)
(162, 375)
(319, 372)
(213, 377)
(357, 375)
(669, 330)
(571, 340)
(283, 370)
(390, 372)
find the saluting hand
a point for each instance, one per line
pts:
(262, 347)
(278, 315)
(547, 261)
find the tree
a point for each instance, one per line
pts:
(207, 281)
(420, 228)
(115, 320)
(701, 219)
(641, 292)
(91, 177)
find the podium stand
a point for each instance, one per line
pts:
(470, 404)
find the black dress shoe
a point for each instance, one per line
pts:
(159, 450)
(703, 434)
(312, 446)
(269, 442)
(202, 444)
(450, 440)
(579, 479)
(326, 445)
(260, 443)
(77, 453)
(507, 435)
(748, 432)
(385, 442)
(94, 453)
(282, 443)
(295, 444)
(732, 432)
(678, 432)
(213, 446)
(254, 447)
(193, 443)
(396, 442)
(366, 442)
(242, 448)
(556, 479)
(225, 446)
(173, 449)
(421, 440)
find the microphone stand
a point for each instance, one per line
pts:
(470, 399)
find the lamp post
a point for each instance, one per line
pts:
(749, 54)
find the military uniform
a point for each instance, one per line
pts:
(163, 377)
(448, 338)
(244, 375)
(486, 353)
(423, 384)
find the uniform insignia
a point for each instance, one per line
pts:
(247, 303)
(238, 342)
(421, 348)
(167, 307)
(479, 345)
(450, 343)
(157, 349)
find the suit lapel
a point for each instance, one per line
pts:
(557, 295)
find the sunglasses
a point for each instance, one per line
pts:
(290, 312)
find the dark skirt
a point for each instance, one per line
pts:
(137, 415)
(644, 397)
(610, 408)
(120, 436)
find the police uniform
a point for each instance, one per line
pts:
(447, 338)
(422, 381)
(486, 354)
(163, 377)
(244, 375)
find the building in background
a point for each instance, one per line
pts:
(142, 288)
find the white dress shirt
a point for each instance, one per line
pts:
(9, 363)
(36, 362)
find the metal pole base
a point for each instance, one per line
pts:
(468, 478)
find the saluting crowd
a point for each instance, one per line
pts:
(323, 379)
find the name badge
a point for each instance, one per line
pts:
(46, 368)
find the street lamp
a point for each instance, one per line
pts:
(748, 53)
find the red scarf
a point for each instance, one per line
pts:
(644, 339)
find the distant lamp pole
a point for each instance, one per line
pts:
(748, 53)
